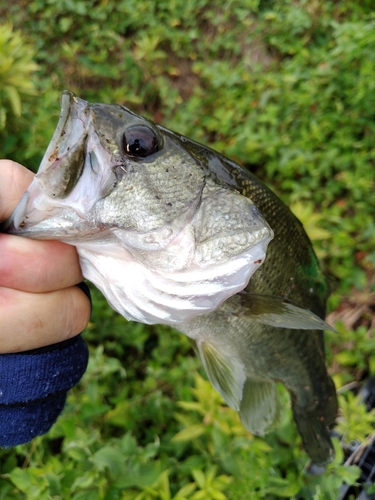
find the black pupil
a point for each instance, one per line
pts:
(140, 141)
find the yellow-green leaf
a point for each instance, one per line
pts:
(189, 433)
(14, 99)
(199, 477)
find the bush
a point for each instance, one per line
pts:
(16, 68)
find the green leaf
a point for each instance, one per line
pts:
(142, 476)
(191, 406)
(31, 481)
(85, 481)
(14, 99)
(350, 474)
(54, 483)
(2, 118)
(200, 495)
(283, 488)
(110, 458)
(217, 495)
(190, 433)
(199, 478)
(185, 491)
(86, 495)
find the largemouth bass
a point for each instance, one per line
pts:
(172, 232)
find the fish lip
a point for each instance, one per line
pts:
(66, 99)
(71, 108)
(74, 118)
(13, 223)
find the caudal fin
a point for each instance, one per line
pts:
(316, 438)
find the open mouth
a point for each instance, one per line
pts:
(66, 147)
(66, 100)
(59, 171)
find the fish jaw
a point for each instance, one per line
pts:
(76, 171)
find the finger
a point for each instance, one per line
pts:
(37, 266)
(14, 180)
(47, 318)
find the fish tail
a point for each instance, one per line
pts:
(315, 437)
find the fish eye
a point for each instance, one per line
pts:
(140, 142)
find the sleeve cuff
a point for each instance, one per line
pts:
(33, 387)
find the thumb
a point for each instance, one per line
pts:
(14, 180)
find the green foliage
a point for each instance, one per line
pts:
(355, 423)
(16, 68)
(286, 88)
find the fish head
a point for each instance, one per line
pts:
(106, 152)
(155, 231)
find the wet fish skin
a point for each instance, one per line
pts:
(115, 208)
(296, 358)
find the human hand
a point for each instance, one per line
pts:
(39, 302)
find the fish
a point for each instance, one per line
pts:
(175, 233)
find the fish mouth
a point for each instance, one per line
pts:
(60, 169)
(62, 164)
(66, 101)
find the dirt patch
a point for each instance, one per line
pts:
(357, 310)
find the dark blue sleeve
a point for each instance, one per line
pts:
(34, 385)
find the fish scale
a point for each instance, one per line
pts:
(172, 232)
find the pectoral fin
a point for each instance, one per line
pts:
(225, 372)
(280, 312)
(260, 406)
